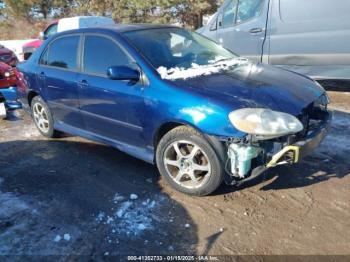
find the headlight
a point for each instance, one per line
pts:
(265, 122)
(7, 74)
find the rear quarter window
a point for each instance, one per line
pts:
(308, 10)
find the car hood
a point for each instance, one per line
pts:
(4, 67)
(256, 85)
(5, 51)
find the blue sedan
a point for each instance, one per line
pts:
(176, 99)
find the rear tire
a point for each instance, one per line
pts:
(188, 162)
(43, 118)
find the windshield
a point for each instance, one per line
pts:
(177, 48)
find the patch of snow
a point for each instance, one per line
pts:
(152, 204)
(141, 227)
(133, 196)
(109, 220)
(67, 237)
(117, 198)
(100, 216)
(199, 70)
(132, 217)
(121, 211)
(57, 238)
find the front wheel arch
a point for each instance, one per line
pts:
(217, 144)
(187, 133)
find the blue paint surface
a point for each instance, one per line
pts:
(10, 95)
(129, 115)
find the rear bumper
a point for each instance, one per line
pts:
(9, 96)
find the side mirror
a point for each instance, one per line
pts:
(123, 73)
(42, 36)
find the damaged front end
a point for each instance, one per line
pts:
(268, 145)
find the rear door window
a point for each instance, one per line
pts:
(63, 53)
(100, 53)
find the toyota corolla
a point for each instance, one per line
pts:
(176, 99)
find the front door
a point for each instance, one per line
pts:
(112, 109)
(57, 75)
(241, 27)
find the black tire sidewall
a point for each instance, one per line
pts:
(191, 135)
(51, 131)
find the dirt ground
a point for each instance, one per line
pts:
(70, 196)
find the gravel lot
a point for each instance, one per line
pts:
(70, 196)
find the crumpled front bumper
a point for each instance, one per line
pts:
(9, 97)
(292, 152)
(299, 149)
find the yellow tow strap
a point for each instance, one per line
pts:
(277, 157)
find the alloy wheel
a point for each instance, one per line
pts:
(40, 117)
(187, 164)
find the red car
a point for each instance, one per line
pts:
(8, 93)
(8, 75)
(29, 48)
(7, 56)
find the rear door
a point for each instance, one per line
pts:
(242, 25)
(311, 37)
(57, 75)
(113, 109)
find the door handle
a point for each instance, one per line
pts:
(42, 76)
(83, 83)
(255, 30)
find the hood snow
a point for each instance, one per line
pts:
(199, 70)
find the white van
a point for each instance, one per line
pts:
(311, 37)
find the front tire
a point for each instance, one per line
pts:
(42, 117)
(188, 162)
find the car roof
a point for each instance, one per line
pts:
(121, 28)
(118, 28)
